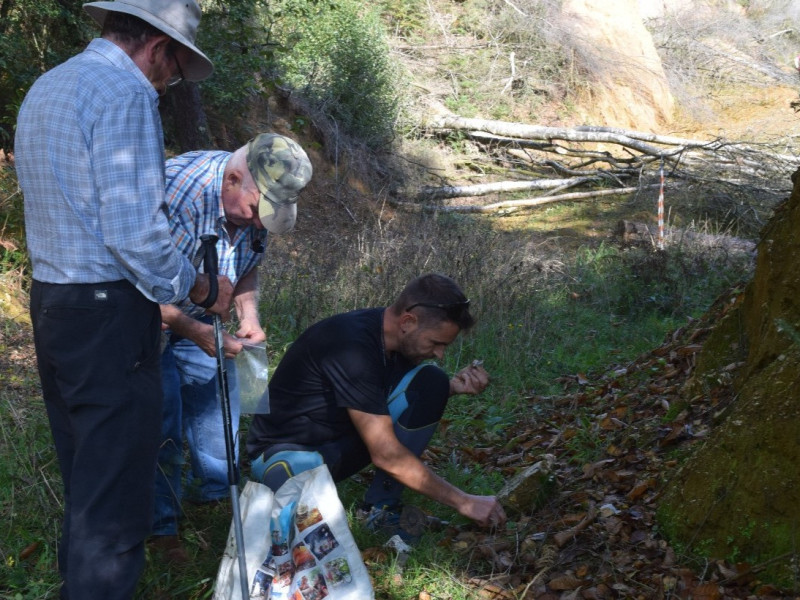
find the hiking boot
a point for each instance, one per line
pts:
(408, 522)
(169, 548)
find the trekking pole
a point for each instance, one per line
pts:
(211, 267)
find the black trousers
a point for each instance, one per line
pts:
(97, 347)
(423, 401)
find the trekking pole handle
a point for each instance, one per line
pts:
(211, 267)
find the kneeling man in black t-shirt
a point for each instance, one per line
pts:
(353, 390)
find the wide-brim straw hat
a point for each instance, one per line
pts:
(176, 18)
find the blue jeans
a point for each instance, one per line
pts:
(192, 408)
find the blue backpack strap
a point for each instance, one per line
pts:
(397, 401)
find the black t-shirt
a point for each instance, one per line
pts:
(336, 364)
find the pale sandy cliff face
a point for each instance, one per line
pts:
(631, 89)
(651, 9)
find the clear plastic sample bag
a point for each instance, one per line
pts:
(252, 375)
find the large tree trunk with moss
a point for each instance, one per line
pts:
(738, 496)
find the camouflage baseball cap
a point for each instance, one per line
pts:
(280, 168)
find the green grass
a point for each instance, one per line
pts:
(30, 494)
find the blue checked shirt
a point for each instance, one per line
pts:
(194, 199)
(90, 162)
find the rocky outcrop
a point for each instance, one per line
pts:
(630, 88)
(653, 9)
(737, 496)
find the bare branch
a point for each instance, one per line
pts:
(517, 204)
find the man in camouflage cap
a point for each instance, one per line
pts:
(238, 197)
(280, 169)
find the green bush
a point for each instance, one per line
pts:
(13, 252)
(339, 61)
(404, 18)
(236, 36)
(35, 35)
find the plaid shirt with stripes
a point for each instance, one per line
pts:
(194, 201)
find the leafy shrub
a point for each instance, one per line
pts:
(236, 36)
(13, 253)
(35, 35)
(404, 18)
(339, 61)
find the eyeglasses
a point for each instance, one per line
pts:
(454, 310)
(176, 79)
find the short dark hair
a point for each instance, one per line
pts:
(435, 298)
(128, 29)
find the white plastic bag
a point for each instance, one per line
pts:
(298, 544)
(252, 376)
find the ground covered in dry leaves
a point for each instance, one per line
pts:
(596, 535)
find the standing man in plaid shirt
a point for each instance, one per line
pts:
(237, 197)
(90, 161)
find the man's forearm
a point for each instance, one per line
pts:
(246, 307)
(182, 324)
(411, 472)
(389, 455)
(245, 297)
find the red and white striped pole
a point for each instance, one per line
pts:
(661, 209)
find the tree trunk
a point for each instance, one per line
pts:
(614, 154)
(185, 122)
(629, 139)
(737, 497)
(509, 205)
(484, 189)
(5, 9)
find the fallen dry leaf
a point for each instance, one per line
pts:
(639, 489)
(564, 581)
(26, 552)
(707, 591)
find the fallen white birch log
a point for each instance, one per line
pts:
(517, 204)
(482, 189)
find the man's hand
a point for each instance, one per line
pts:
(200, 333)
(231, 346)
(470, 380)
(251, 331)
(222, 306)
(486, 511)
(389, 455)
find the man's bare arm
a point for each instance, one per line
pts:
(200, 333)
(388, 454)
(245, 299)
